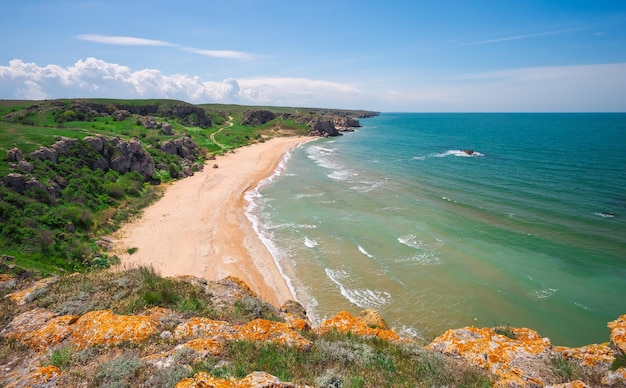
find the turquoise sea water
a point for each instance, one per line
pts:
(529, 230)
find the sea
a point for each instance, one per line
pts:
(442, 221)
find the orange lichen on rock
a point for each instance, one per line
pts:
(618, 332)
(254, 379)
(348, 323)
(5, 277)
(39, 377)
(262, 330)
(204, 346)
(571, 384)
(497, 353)
(39, 328)
(22, 296)
(295, 322)
(589, 355)
(106, 328)
(51, 333)
(205, 327)
(616, 378)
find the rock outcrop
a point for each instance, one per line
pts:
(257, 117)
(521, 358)
(183, 147)
(518, 357)
(324, 129)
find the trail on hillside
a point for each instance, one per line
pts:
(229, 124)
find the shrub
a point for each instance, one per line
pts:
(563, 369)
(506, 331)
(118, 372)
(619, 362)
(61, 357)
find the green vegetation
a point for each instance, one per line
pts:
(53, 225)
(505, 330)
(619, 362)
(61, 357)
(346, 360)
(564, 369)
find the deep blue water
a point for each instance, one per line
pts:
(529, 230)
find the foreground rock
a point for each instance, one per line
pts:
(522, 358)
(518, 357)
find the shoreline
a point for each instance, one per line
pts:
(200, 227)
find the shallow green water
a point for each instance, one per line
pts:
(529, 230)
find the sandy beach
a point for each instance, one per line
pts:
(199, 226)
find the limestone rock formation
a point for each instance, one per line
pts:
(257, 117)
(120, 115)
(324, 129)
(347, 323)
(183, 147)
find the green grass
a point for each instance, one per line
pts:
(343, 360)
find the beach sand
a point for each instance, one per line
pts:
(199, 226)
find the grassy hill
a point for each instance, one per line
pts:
(54, 225)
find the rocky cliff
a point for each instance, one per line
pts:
(43, 320)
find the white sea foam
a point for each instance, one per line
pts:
(339, 175)
(459, 153)
(366, 253)
(605, 215)
(544, 293)
(410, 240)
(253, 197)
(425, 258)
(363, 298)
(308, 195)
(581, 305)
(310, 243)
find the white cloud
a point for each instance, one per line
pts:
(96, 78)
(123, 40)
(518, 37)
(563, 88)
(585, 88)
(225, 54)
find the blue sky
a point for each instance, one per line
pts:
(419, 56)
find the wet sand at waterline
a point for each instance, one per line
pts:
(199, 226)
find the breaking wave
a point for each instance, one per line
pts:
(363, 298)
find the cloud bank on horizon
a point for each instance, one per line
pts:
(572, 66)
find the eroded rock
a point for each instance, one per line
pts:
(347, 323)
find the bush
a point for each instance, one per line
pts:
(118, 372)
(61, 357)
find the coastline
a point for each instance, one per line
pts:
(200, 227)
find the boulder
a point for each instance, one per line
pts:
(166, 129)
(63, 145)
(129, 156)
(97, 142)
(120, 115)
(324, 129)
(15, 182)
(183, 147)
(21, 166)
(15, 155)
(618, 333)
(45, 153)
(149, 122)
(347, 323)
(257, 117)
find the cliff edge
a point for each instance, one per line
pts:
(135, 328)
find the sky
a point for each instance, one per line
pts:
(388, 56)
